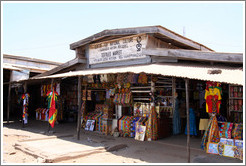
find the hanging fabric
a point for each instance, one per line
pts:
(212, 97)
(25, 98)
(176, 118)
(143, 78)
(151, 127)
(212, 133)
(52, 99)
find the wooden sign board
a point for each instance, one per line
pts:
(125, 48)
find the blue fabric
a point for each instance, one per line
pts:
(176, 119)
(192, 123)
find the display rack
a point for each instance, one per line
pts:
(164, 92)
(236, 103)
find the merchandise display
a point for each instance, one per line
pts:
(213, 97)
(236, 103)
(226, 130)
(52, 100)
(212, 148)
(25, 98)
(148, 107)
(42, 114)
(151, 126)
(212, 133)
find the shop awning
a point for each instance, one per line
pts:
(230, 75)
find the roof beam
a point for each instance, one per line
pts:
(195, 55)
(63, 66)
(138, 30)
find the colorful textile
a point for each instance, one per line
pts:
(226, 129)
(212, 133)
(192, 123)
(237, 131)
(143, 78)
(130, 78)
(151, 127)
(213, 97)
(52, 99)
(25, 98)
(120, 78)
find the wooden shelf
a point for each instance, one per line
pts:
(141, 91)
(232, 98)
(165, 96)
(236, 111)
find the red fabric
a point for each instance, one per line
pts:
(52, 109)
(211, 108)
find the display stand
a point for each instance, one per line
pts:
(236, 103)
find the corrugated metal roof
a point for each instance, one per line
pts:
(230, 75)
(10, 67)
(21, 67)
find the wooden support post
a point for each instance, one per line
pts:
(173, 93)
(79, 108)
(188, 118)
(9, 99)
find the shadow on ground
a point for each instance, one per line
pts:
(168, 150)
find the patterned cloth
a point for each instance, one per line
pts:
(52, 100)
(212, 133)
(143, 78)
(213, 97)
(226, 129)
(25, 98)
(192, 123)
(120, 78)
(152, 130)
(237, 131)
(130, 78)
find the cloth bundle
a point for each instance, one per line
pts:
(226, 130)
(237, 131)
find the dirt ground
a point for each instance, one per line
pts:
(169, 150)
(11, 155)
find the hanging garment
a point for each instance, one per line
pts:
(192, 123)
(88, 94)
(143, 78)
(52, 99)
(58, 88)
(120, 78)
(213, 97)
(130, 78)
(25, 98)
(84, 95)
(151, 127)
(176, 119)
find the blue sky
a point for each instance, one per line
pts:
(45, 30)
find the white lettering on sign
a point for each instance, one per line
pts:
(117, 50)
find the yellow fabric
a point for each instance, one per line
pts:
(213, 92)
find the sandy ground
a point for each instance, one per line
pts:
(12, 155)
(169, 150)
